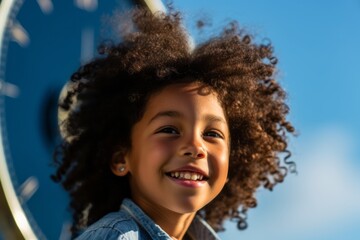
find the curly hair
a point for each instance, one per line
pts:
(108, 96)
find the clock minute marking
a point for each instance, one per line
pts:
(19, 33)
(9, 89)
(28, 188)
(46, 6)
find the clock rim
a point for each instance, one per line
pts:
(12, 205)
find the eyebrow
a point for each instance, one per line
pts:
(176, 114)
(213, 118)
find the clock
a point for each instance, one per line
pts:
(41, 43)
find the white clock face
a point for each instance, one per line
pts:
(43, 42)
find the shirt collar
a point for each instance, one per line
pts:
(198, 229)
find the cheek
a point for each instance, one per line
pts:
(225, 161)
(156, 153)
(220, 163)
(224, 165)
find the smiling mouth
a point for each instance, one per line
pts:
(192, 176)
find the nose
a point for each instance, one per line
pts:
(193, 147)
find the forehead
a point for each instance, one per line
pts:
(183, 94)
(190, 88)
(191, 101)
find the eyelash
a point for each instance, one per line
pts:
(166, 130)
(212, 133)
(173, 130)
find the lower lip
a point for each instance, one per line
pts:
(188, 183)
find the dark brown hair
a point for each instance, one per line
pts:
(107, 97)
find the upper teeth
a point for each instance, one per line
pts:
(187, 175)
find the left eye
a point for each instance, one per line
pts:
(213, 134)
(168, 130)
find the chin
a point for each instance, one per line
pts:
(189, 205)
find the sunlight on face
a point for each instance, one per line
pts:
(180, 150)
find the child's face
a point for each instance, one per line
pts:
(182, 135)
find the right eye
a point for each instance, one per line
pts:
(168, 130)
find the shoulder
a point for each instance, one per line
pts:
(116, 225)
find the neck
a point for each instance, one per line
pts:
(173, 223)
(176, 224)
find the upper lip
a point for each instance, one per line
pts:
(190, 169)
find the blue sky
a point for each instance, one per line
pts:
(317, 43)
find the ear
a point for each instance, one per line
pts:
(119, 164)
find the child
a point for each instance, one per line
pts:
(166, 142)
